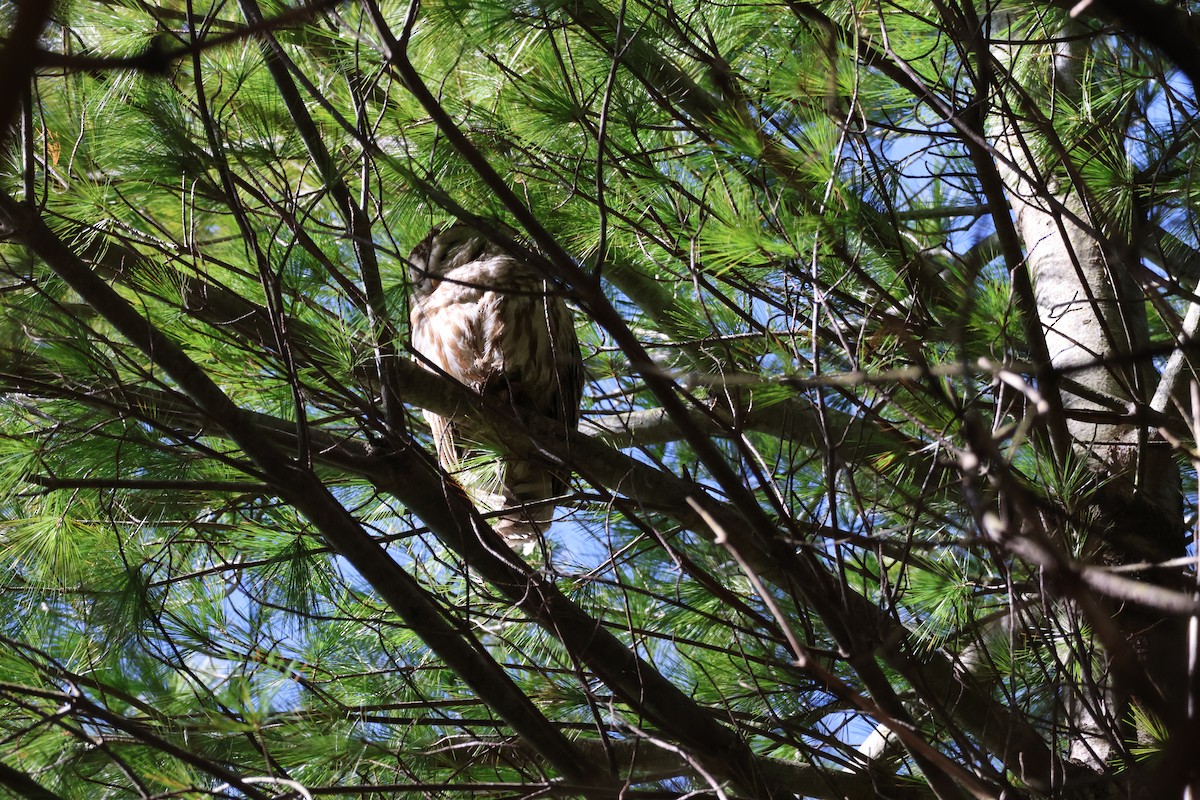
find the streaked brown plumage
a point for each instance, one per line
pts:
(489, 321)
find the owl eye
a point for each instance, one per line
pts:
(420, 282)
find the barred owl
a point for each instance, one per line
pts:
(489, 321)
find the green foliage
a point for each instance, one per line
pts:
(771, 200)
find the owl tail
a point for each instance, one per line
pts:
(523, 483)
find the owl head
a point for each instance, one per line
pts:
(442, 250)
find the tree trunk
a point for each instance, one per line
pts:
(1093, 317)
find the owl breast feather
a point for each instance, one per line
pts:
(480, 328)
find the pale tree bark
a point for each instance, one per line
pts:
(1092, 313)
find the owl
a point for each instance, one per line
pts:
(491, 322)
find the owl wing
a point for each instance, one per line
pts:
(569, 366)
(441, 335)
(543, 375)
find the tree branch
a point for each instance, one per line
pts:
(302, 488)
(24, 785)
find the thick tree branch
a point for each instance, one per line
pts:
(311, 497)
(158, 57)
(641, 761)
(936, 677)
(23, 785)
(1166, 26)
(17, 57)
(409, 474)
